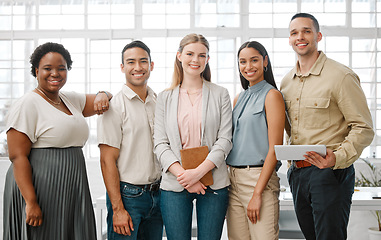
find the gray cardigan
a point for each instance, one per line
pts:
(216, 133)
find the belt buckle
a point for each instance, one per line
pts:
(302, 164)
(294, 163)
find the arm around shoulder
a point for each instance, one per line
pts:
(97, 103)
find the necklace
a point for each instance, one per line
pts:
(50, 100)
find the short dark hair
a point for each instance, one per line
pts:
(138, 44)
(310, 16)
(268, 75)
(45, 48)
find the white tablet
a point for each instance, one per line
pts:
(296, 152)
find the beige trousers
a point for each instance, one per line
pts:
(243, 182)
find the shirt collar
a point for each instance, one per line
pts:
(257, 87)
(130, 94)
(315, 69)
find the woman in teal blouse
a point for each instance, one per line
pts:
(258, 125)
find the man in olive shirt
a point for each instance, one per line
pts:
(326, 105)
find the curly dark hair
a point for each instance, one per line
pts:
(45, 48)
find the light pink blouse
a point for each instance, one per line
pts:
(189, 118)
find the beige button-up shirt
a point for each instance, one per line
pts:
(128, 126)
(328, 106)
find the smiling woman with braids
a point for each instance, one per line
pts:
(46, 193)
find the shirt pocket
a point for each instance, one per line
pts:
(316, 114)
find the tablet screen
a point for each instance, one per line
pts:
(296, 152)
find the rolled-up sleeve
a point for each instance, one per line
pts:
(109, 127)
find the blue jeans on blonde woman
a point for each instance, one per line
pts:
(177, 209)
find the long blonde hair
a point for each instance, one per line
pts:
(178, 73)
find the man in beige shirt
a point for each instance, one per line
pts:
(130, 170)
(326, 105)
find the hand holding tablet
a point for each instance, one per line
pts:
(296, 152)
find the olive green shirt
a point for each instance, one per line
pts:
(328, 106)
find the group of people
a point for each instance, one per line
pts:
(141, 136)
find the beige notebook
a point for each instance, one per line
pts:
(192, 157)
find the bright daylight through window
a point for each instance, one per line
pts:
(94, 31)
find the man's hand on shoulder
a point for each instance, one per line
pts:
(122, 222)
(319, 161)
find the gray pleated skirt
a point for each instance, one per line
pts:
(60, 181)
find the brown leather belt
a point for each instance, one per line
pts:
(302, 164)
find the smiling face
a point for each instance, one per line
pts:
(51, 72)
(304, 37)
(136, 67)
(251, 65)
(193, 58)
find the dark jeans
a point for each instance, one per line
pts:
(322, 200)
(144, 209)
(177, 209)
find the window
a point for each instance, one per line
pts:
(169, 14)
(95, 32)
(216, 13)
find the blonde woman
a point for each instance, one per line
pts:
(193, 112)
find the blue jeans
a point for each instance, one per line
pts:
(177, 209)
(144, 209)
(322, 200)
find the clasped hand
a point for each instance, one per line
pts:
(190, 180)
